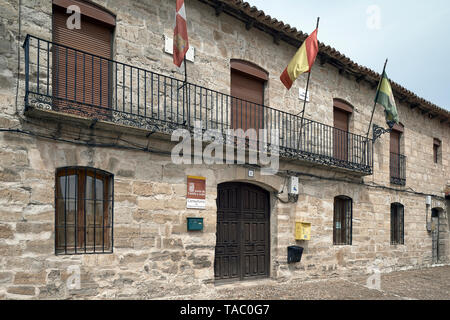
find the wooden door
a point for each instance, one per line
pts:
(81, 77)
(247, 101)
(435, 235)
(227, 262)
(243, 235)
(340, 146)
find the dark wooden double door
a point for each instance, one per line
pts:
(243, 232)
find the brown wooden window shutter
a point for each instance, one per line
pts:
(81, 66)
(396, 164)
(341, 116)
(395, 137)
(89, 9)
(247, 91)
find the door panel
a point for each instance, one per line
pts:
(227, 263)
(243, 237)
(437, 230)
(435, 238)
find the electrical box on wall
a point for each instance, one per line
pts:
(302, 231)
(293, 185)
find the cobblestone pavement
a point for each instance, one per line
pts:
(425, 284)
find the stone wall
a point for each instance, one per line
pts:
(154, 255)
(139, 41)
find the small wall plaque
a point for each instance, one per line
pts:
(168, 48)
(302, 93)
(196, 193)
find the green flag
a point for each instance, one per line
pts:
(385, 97)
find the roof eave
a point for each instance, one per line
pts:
(254, 18)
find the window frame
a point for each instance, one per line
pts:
(397, 224)
(346, 221)
(250, 69)
(343, 105)
(437, 151)
(89, 9)
(397, 159)
(341, 138)
(80, 234)
(79, 94)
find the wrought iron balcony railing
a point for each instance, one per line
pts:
(64, 79)
(398, 169)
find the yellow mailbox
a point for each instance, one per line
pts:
(302, 231)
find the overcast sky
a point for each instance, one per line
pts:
(414, 35)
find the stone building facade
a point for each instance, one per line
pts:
(152, 253)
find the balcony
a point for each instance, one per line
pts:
(70, 81)
(398, 169)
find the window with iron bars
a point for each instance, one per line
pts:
(84, 211)
(437, 155)
(342, 222)
(397, 224)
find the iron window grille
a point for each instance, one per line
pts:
(397, 224)
(84, 209)
(342, 222)
(398, 169)
(437, 151)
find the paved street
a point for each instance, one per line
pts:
(426, 284)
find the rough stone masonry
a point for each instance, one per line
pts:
(154, 256)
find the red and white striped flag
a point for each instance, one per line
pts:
(180, 36)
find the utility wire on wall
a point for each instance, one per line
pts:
(136, 147)
(133, 146)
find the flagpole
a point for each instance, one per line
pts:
(185, 91)
(307, 81)
(180, 41)
(306, 96)
(185, 69)
(376, 98)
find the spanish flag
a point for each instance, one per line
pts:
(385, 97)
(302, 61)
(180, 35)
